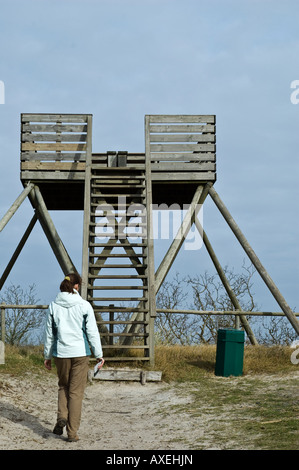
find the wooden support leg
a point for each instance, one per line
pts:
(15, 206)
(17, 251)
(87, 198)
(54, 239)
(255, 260)
(225, 282)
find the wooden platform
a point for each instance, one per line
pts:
(54, 147)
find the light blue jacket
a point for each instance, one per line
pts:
(70, 328)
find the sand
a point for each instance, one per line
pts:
(115, 416)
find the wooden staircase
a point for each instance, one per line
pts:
(117, 257)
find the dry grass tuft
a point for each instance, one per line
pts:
(177, 363)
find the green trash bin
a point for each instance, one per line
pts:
(230, 352)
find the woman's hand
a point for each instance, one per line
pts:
(48, 364)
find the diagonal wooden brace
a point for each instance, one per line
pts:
(51, 233)
(255, 260)
(225, 282)
(5, 219)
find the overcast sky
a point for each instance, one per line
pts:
(122, 59)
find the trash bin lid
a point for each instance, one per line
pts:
(228, 334)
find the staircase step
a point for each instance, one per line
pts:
(125, 266)
(115, 192)
(118, 245)
(141, 335)
(101, 195)
(110, 235)
(105, 308)
(117, 287)
(124, 346)
(117, 276)
(116, 255)
(116, 299)
(122, 322)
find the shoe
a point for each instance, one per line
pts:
(58, 429)
(73, 439)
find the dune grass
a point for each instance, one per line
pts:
(177, 363)
(189, 363)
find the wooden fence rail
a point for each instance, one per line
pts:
(4, 307)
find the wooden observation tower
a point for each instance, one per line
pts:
(117, 192)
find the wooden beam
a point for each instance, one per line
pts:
(255, 260)
(150, 269)
(15, 206)
(87, 208)
(223, 312)
(225, 282)
(17, 251)
(52, 166)
(51, 233)
(31, 146)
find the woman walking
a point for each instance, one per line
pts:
(71, 334)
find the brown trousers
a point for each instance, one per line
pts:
(72, 378)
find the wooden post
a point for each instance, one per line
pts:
(17, 251)
(2, 342)
(2, 308)
(255, 260)
(87, 189)
(48, 226)
(15, 206)
(150, 244)
(226, 284)
(111, 325)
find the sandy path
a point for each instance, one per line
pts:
(116, 415)
(130, 416)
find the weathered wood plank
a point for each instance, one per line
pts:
(126, 359)
(182, 128)
(50, 166)
(181, 167)
(58, 146)
(116, 308)
(87, 209)
(175, 166)
(121, 346)
(118, 299)
(125, 374)
(73, 118)
(47, 175)
(184, 118)
(118, 287)
(182, 147)
(190, 157)
(183, 138)
(49, 137)
(54, 128)
(191, 177)
(57, 156)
